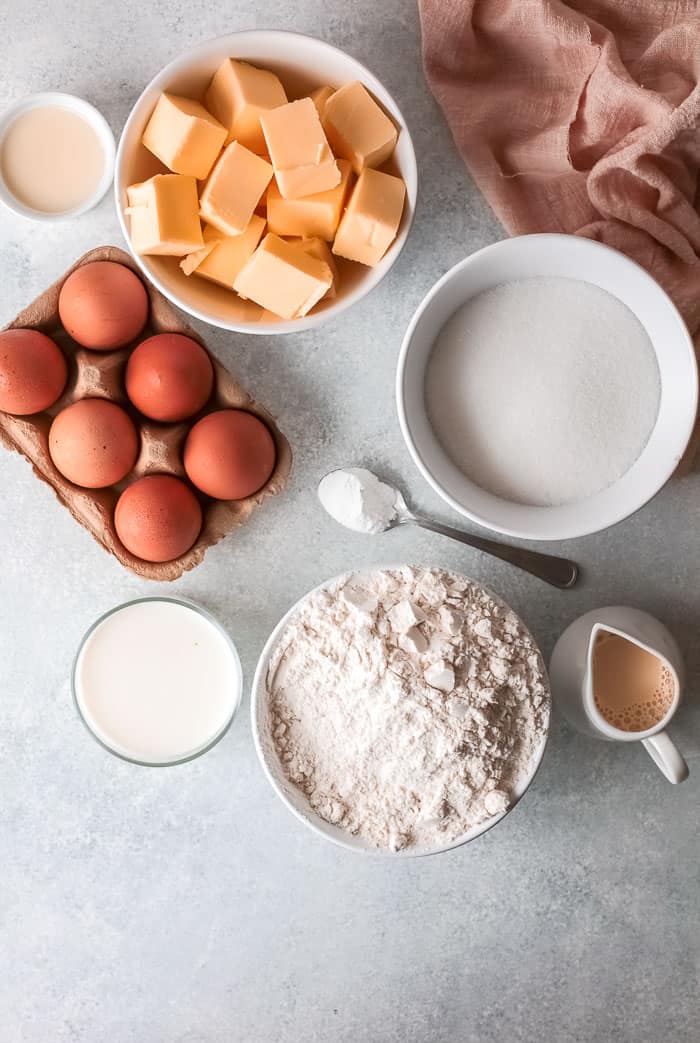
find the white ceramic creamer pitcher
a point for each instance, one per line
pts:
(571, 677)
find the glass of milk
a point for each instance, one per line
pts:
(157, 681)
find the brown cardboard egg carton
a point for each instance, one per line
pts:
(101, 374)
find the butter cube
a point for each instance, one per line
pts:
(283, 278)
(357, 128)
(371, 220)
(192, 261)
(184, 136)
(300, 153)
(234, 189)
(315, 215)
(224, 256)
(319, 97)
(319, 248)
(163, 216)
(237, 95)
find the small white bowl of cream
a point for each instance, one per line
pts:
(157, 681)
(56, 156)
(547, 387)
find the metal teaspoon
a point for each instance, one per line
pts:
(559, 572)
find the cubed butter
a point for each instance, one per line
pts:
(299, 150)
(319, 248)
(371, 219)
(357, 128)
(184, 136)
(225, 255)
(234, 188)
(261, 208)
(238, 94)
(284, 278)
(313, 215)
(192, 261)
(163, 217)
(319, 97)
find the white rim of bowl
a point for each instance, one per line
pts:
(258, 696)
(94, 118)
(217, 737)
(573, 532)
(309, 322)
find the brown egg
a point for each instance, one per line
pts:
(158, 518)
(33, 372)
(93, 443)
(169, 377)
(103, 305)
(229, 455)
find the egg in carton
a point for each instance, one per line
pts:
(94, 374)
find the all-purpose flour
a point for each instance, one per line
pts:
(543, 391)
(406, 705)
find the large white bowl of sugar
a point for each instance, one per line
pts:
(544, 447)
(302, 63)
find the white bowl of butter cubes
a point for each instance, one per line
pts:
(265, 181)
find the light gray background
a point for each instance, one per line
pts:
(186, 905)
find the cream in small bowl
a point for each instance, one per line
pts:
(400, 711)
(302, 64)
(56, 156)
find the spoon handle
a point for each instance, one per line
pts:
(559, 572)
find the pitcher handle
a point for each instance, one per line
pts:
(666, 757)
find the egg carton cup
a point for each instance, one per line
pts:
(101, 375)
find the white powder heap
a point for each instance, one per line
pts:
(543, 391)
(357, 499)
(406, 704)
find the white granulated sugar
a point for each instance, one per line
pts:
(543, 391)
(357, 499)
(406, 744)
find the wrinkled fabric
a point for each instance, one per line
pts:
(581, 117)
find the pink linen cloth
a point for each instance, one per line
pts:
(582, 117)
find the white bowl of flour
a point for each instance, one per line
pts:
(547, 387)
(400, 711)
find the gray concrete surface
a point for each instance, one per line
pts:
(186, 905)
